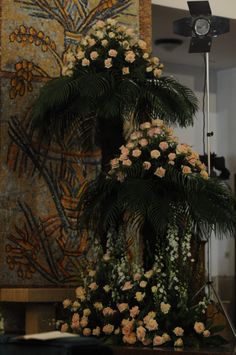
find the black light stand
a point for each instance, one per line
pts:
(202, 27)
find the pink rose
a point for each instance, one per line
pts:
(160, 172)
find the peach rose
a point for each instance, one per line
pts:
(114, 163)
(108, 63)
(157, 72)
(127, 286)
(186, 169)
(204, 174)
(157, 122)
(152, 324)
(166, 337)
(145, 125)
(122, 307)
(137, 276)
(135, 135)
(142, 44)
(130, 56)
(172, 156)
(100, 24)
(147, 342)
(96, 331)
(165, 307)
(86, 312)
(91, 41)
(108, 311)
(160, 172)
(125, 70)
(136, 153)
(179, 332)
(143, 142)
(94, 55)
(149, 69)
(93, 286)
(134, 311)
(111, 34)
(157, 340)
(112, 53)
(145, 55)
(139, 296)
(141, 333)
(99, 34)
(108, 329)
(130, 339)
(182, 149)
(104, 42)
(127, 162)
(75, 305)
(147, 165)
(92, 273)
(84, 322)
(199, 327)
(86, 332)
(155, 153)
(98, 306)
(66, 303)
(206, 333)
(143, 284)
(85, 62)
(80, 293)
(106, 288)
(178, 343)
(164, 145)
(80, 54)
(64, 327)
(127, 327)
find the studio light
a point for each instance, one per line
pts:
(201, 26)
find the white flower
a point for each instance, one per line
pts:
(108, 63)
(111, 34)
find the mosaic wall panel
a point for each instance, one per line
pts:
(40, 245)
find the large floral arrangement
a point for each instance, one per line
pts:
(112, 47)
(125, 304)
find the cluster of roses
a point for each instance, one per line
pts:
(110, 45)
(155, 148)
(134, 309)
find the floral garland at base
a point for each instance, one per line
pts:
(128, 305)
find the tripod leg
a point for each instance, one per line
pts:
(224, 311)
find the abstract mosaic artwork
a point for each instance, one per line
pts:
(40, 244)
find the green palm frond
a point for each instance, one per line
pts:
(210, 204)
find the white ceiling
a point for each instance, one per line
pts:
(223, 50)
